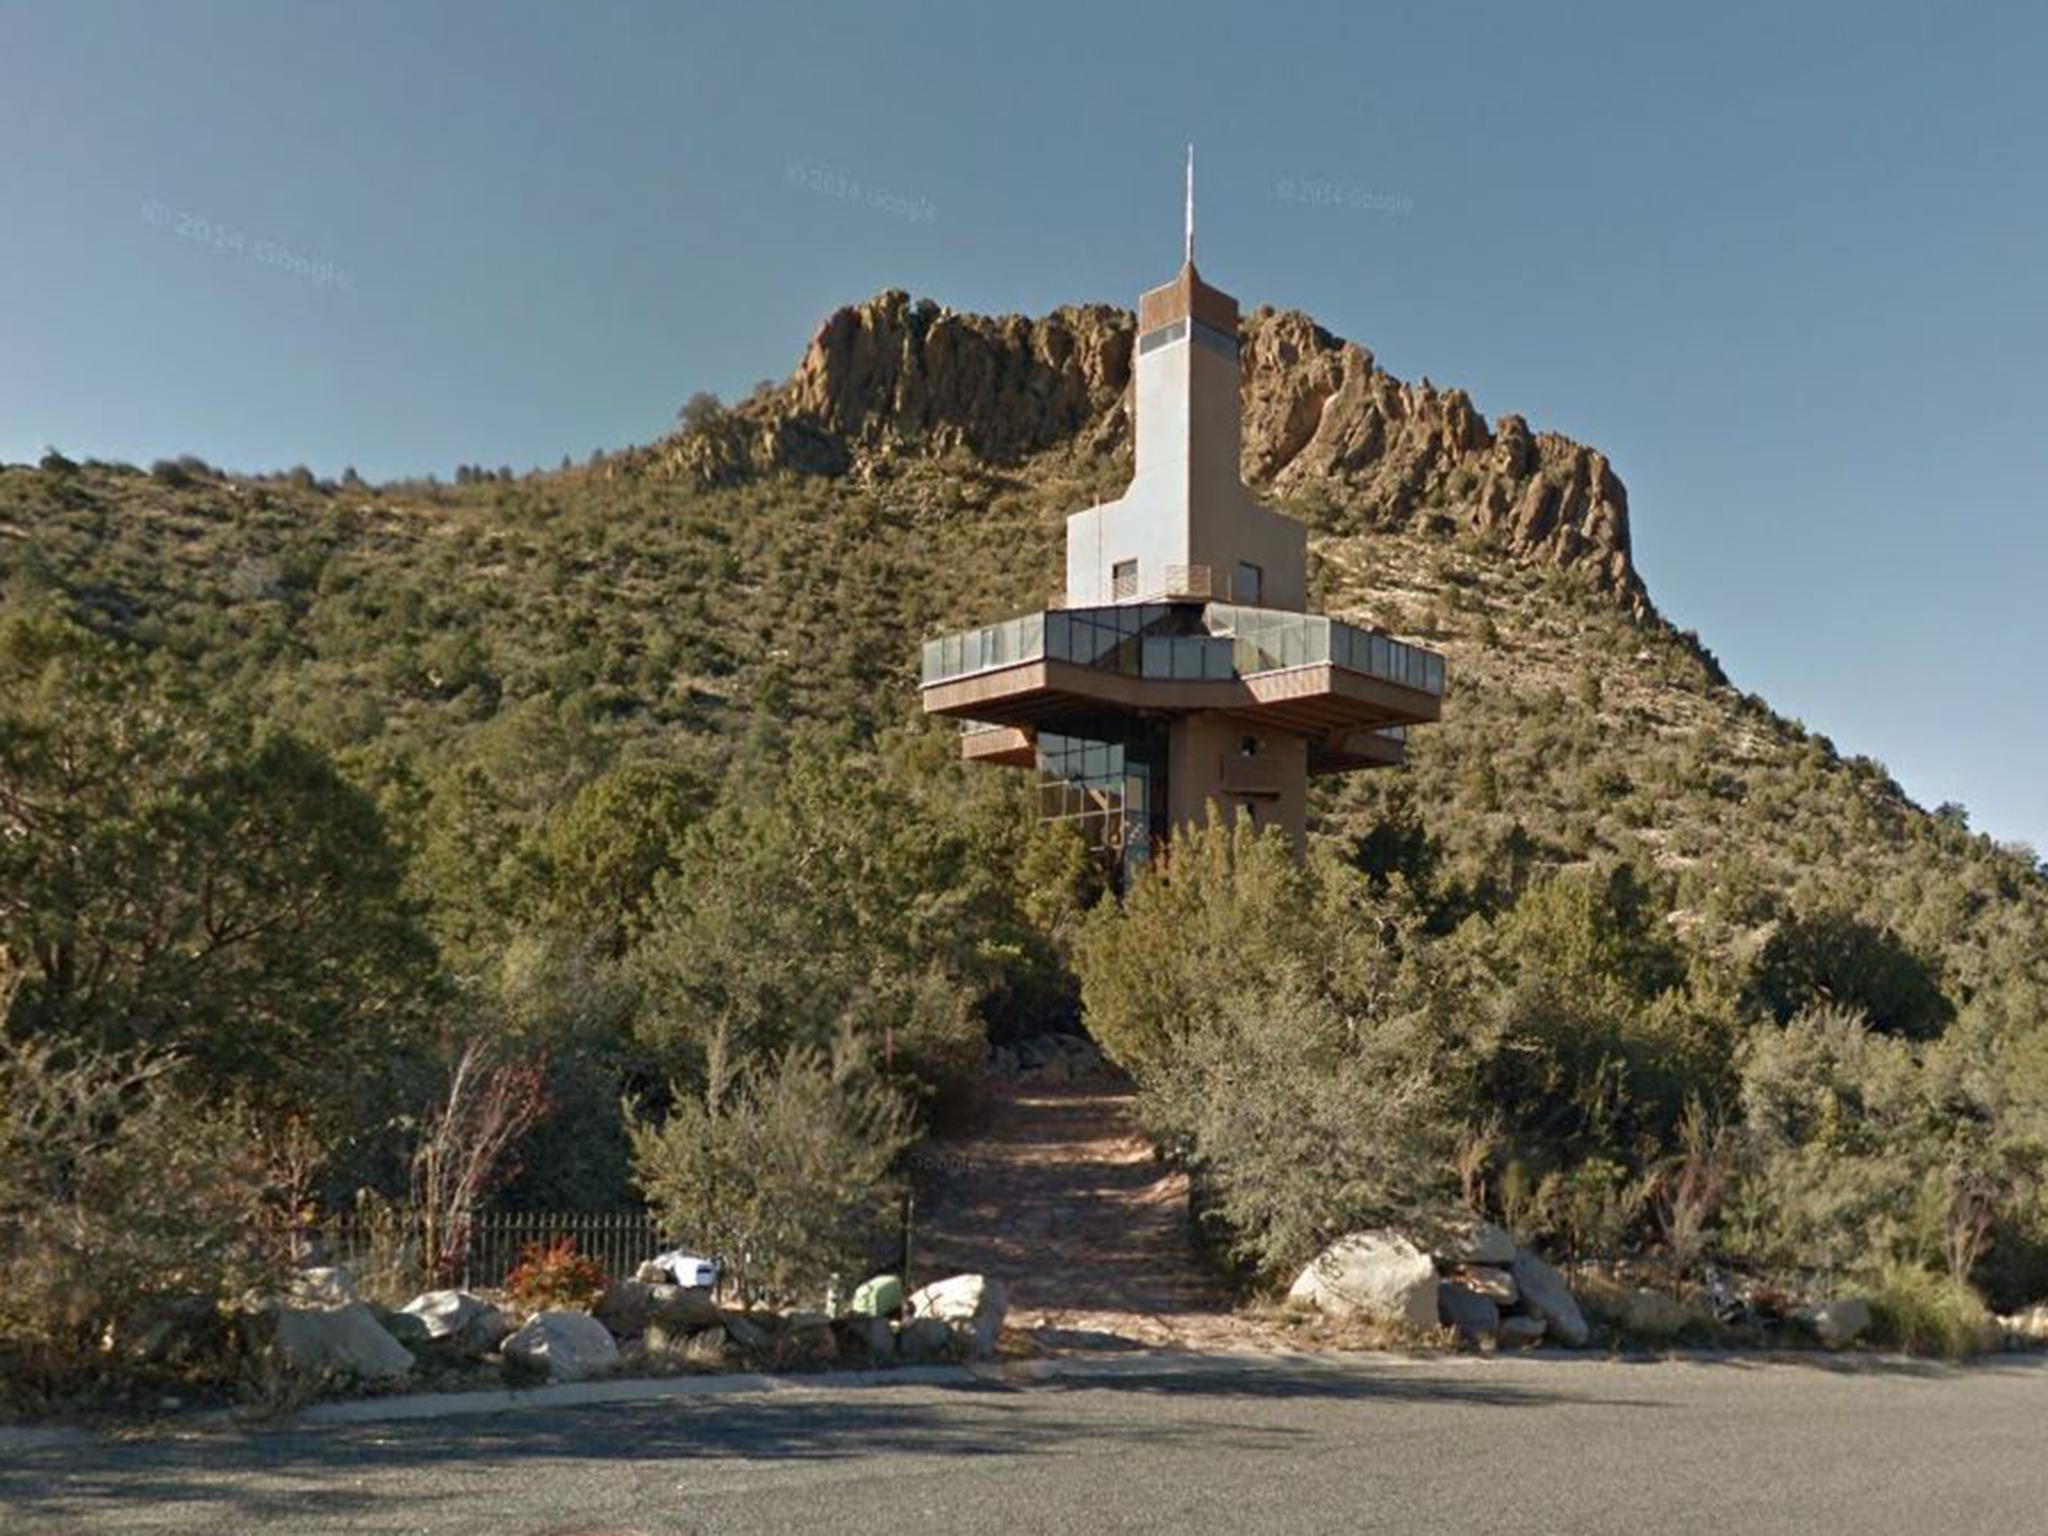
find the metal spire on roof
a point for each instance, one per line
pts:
(1191, 206)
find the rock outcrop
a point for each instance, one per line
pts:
(899, 376)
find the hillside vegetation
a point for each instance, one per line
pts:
(618, 770)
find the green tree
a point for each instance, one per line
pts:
(1832, 956)
(779, 1167)
(861, 890)
(126, 1208)
(177, 878)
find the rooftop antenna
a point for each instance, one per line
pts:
(1191, 206)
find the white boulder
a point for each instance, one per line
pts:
(570, 1345)
(1376, 1275)
(2029, 1325)
(472, 1324)
(1545, 1295)
(339, 1341)
(974, 1305)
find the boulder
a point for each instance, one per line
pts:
(1466, 1239)
(1652, 1314)
(623, 1308)
(865, 1340)
(2029, 1325)
(744, 1331)
(1496, 1285)
(807, 1337)
(1466, 1312)
(1545, 1295)
(342, 1341)
(465, 1320)
(974, 1305)
(1520, 1331)
(408, 1328)
(1838, 1323)
(570, 1346)
(926, 1338)
(1376, 1275)
(682, 1307)
(328, 1286)
(652, 1273)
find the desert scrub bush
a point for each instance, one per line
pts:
(1303, 1123)
(1925, 1313)
(1286, 1036)
(554, 1276)
(128, 1209)
(780, 1166)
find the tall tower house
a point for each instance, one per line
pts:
(1179, 668)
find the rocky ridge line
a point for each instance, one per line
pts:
(895, 376)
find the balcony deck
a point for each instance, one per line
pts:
(1305, 673)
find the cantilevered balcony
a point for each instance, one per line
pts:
(1307, 673)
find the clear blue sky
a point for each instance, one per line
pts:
(1783, 263)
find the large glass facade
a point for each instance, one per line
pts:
(1180, 641)
(1111, 788)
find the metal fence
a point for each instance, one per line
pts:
(620, 1241)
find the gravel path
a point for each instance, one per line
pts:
(1057, 1193)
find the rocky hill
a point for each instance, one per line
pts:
(771, 571)
(895, 375)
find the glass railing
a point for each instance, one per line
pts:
(1270, 640)
(1157, 640)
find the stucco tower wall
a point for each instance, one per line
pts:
(1197, 748)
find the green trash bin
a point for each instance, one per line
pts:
(879, 1297)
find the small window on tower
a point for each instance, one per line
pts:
(1248, 746)
(1123, 580)
(1250, 586)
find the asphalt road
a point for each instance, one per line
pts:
(1528, 1445)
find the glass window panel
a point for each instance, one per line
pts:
(1058, 643)
(1158, 660)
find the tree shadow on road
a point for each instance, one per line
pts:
(232, 1481)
